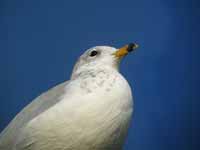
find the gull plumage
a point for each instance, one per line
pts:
(91, 111)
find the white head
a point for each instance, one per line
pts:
(100, 57)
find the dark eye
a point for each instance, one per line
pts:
(93, 53)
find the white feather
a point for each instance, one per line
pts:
(92, 111)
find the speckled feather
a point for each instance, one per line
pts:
(91, 111)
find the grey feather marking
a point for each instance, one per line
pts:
(39, 105)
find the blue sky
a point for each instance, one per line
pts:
(41, 40)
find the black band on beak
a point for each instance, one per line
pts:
(131, 47)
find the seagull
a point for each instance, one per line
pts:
(91, 111)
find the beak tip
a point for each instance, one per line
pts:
(125, 50)
(131, 47)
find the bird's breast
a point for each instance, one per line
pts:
(95, 115)
(106, 108)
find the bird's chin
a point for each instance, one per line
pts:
(116, 63)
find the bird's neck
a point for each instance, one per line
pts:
(91, 80)
(86, 72)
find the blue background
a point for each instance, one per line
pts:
(41, 40)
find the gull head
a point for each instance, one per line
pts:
(101, 57)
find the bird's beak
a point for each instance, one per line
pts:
(125, 50)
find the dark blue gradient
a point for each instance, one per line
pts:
(41, 40)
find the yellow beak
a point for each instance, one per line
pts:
(125, 50)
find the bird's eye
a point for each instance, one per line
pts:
(93, 53)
